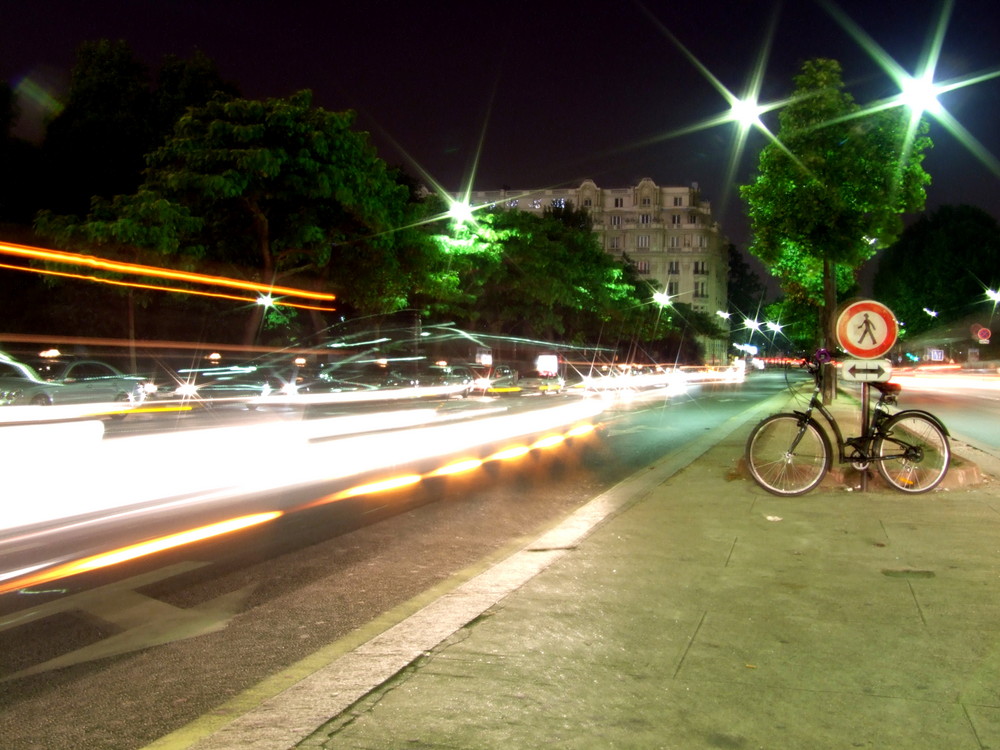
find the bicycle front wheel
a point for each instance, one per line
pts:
(787, 454)
(913, 452)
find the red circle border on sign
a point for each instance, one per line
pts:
(892, 329)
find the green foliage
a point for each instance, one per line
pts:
(96, 144)
(746, 290)
(276, 191)
(181, 84)
(114, 116)
(541, 276)
(945, 261)
(834, 183)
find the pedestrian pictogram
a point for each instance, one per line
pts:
(866, 329)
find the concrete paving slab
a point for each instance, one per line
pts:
(713, 615)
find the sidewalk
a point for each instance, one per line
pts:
(702, 613)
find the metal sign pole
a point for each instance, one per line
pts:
(864, 430)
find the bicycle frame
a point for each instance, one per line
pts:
(871, 427)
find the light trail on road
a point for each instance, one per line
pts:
(211, 471)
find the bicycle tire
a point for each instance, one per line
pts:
(925, 456)
(776, 466)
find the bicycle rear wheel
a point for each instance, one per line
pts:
(788, 455)
(913, 454)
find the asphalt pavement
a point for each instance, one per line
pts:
(684, 608)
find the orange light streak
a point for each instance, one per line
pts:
(508, 453)
(458, 467)
(548, 441)
(382, 486)
(124, 554)
(580, 430)
(156, 287)
(59, 256)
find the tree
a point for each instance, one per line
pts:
(746, 290)
(943, 262)
(272, 191)
(97, 143)
(181, 84)
(539, 275)
(833, 184)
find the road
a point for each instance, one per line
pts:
(123, 655)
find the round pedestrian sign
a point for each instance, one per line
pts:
(866, 329)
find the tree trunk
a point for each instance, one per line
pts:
(263, 238)
(827, 323)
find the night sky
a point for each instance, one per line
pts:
(534, 94)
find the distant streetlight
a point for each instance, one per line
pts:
(932, 313)
(662, 299)
(921, 94)
(773, 327)
(460, 212)
(723, 314)
(753, 325)
(265, 300)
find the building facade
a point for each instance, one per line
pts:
(668, 233)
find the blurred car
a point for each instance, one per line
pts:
(66, 381)
(356, 376)
(238, 383)
(505, 379)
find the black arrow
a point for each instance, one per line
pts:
(855, 371)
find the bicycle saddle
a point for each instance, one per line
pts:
(888, 387)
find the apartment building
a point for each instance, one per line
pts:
(668, 233)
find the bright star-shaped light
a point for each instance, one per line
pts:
(661, 298)
(920, 93)
(460, 212)
(746, 113)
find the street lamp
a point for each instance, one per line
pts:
(662, 299)
(460, 212)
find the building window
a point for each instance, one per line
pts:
(536, 203)
(700, 289)
(645, 218)
(619, 203)
(616, 221)
(558, 203)
(642, 266)
(512, 203)
(675, 241)
(587, 202)
(673, 267)
(678, 200)
(645, 201)
(673, 289)
(675, 220)
(692, 218)
(700, 267)
(642, 241)
(615, 243)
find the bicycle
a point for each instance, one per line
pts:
(788, 454)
